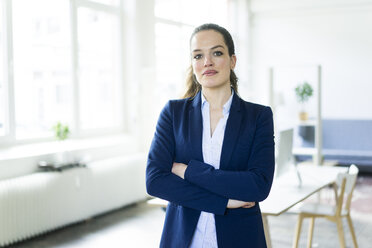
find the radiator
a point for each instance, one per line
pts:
(40, 202)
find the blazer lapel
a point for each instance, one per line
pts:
(231, 132)
(196, 128)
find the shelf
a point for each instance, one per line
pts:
(307, 123)
(283, 81)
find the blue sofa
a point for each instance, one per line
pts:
(345, 141)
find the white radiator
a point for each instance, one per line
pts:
(40, 202)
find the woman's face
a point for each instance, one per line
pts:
(210, 58)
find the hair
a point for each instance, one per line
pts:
(192, 85)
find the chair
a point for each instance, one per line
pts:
(284, 160)
(343, 189)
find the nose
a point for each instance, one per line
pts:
(208, 61)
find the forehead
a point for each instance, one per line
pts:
(206, 39)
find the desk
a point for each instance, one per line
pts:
(285, 191)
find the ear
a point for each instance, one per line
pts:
(233, 62)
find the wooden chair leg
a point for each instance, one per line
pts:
(298, 231)
(311, 231)
(351, 227)
(340, 231)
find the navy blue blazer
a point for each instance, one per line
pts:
(246, 172)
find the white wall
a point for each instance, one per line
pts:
(335, 34)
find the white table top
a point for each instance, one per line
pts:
(286, 192)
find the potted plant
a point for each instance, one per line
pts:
(303, 92)
(61, 133)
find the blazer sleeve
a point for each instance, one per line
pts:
(254, 184)
(162, 183)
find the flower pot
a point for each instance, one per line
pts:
(303, 115)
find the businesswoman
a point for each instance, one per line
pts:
(212, 155)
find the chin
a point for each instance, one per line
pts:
(209, 84)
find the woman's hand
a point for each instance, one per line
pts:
(239, 204)
(179, 169)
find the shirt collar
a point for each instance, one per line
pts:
(226, 106)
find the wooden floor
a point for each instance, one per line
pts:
(140, 226)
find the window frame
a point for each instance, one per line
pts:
(9, 136)
(9, 139)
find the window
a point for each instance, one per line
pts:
(2, 71)
(42, 66)
(60, 61)
(179, 18)
(172, 58)
(99, 69)
(193, 12)
(108, 2)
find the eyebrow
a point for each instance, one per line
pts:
(218, 46)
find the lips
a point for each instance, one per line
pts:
(210, 73)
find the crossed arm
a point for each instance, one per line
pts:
(179, 170)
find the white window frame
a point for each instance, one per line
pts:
(9, 136)
(9, 139)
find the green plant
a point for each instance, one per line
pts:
(61, 131)
(303, 92)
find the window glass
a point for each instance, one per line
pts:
(172, 40)
(2, 72)
(193, 12)
(42, 66)
(168, 9)
(214, 11)
(172, 59)
(108, 2)
(99, 69)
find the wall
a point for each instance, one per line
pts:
(335, 34)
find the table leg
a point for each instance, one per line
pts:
(266, 230)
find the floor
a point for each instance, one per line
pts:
(140, 226)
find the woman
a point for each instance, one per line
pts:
(212, 155)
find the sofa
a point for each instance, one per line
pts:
(344, 141)
(348, 142)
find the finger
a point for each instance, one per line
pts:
(249, 205)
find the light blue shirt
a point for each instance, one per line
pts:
(205, 232)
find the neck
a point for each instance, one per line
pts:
(217, 97)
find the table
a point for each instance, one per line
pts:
(286, 191)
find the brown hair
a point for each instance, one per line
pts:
(192, 85)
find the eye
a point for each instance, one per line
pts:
(197, 56)
(217, 53)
